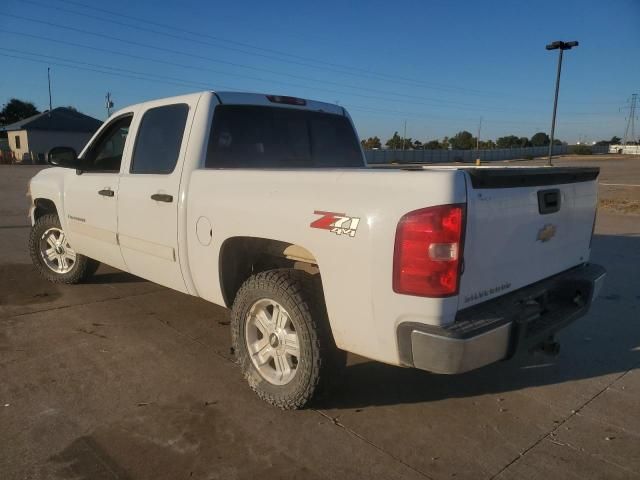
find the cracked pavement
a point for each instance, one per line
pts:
(122, 379)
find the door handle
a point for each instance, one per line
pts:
(107, 192)
(162, 197)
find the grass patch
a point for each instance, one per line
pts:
(620, 206)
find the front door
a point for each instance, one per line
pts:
(148, 196)
(91, 195)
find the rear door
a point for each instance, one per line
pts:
(524, 225)
(149, 195)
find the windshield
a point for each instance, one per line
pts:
(244, 136)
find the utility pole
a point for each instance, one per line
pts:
(631, 121)
(478, 137)
(108, 103)
(404, 137)
(562, 46)
(49, 81)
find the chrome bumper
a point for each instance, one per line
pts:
(498, 329)
(455, 355)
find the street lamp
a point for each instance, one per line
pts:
(562, 46)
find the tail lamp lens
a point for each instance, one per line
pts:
(428, 250)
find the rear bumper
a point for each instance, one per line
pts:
(497, 329)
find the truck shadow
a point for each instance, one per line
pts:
(375, 384)
(605, 342)
(110, 275)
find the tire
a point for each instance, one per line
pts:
(299, 298)
(41, 241)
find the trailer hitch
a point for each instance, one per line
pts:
(548, 347)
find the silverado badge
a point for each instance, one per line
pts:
(546, 233)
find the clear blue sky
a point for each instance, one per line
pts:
(437, 64)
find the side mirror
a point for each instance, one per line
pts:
(65, 157)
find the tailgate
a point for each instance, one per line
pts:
(524, 225)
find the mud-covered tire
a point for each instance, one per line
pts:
(82, 268)
(319, 360)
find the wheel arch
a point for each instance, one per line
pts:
(241, 257)
(43, 206)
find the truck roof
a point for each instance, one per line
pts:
(248, 98)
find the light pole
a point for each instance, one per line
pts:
(562, 46)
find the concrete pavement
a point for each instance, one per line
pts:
(122, 379)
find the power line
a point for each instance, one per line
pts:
(362, 71)
(326, 64)
(104, 70)
(432, 102)
(132, 74)
(423, 100)
(359, 88)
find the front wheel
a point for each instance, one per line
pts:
(282, 339)
(53, 256)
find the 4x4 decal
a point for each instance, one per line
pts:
(337, 223)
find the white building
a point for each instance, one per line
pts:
(31, 138)
(625, 149)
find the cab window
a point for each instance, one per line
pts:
(159, 139)
(105, 155)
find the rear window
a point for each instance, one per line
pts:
(244, 136)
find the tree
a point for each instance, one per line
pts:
(371, 143)
(398, 143)
(510, 141)
(16, 110)
(463, 141)
(524, 142)
(614, 141)
(433, 145)
(540, 139)
(417, 145)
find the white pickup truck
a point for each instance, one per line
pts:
(264, 204)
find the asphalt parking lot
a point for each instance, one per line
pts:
(122, 379)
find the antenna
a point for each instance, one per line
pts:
(108, 103)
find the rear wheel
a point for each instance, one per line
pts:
(54, 257)
(282, 339)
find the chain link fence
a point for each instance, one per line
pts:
(383, 156)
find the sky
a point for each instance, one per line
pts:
(437, 65)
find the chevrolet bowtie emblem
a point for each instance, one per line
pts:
(546, 233)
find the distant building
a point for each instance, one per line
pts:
(625, 149)
(31, 138)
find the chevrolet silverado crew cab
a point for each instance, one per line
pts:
(265, 204)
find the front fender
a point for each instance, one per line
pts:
(48, 184)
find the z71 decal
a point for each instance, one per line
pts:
(337, 223)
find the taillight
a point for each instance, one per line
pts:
(428, 251)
